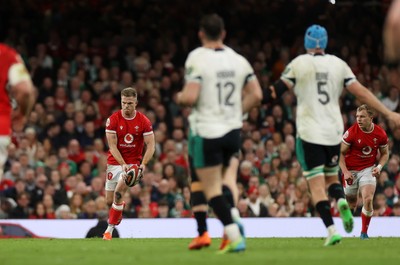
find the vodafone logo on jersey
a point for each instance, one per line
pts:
(128, 138)
(366, 150)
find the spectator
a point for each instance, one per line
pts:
(299, 209)
(255, 207)
(89, 210)
(39, 212)
(22, 210)
(48, 203)
(396, 209)
(14, 173)
(97, 231)
(265, 195)
(382, 209)
(6, 206)
(64, 212)
(392, 100)
(163, 209)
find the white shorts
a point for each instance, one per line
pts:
(361, 178)
(113, 174)
(4, 143)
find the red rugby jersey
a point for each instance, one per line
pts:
(130, 135)
(363, 146)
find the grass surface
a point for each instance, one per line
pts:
(294, 251)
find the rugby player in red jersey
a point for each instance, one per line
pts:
(15, 84)
(359, 152)
(127, 131)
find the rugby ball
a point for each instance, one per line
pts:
(133, 176)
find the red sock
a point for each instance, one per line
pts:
(365, 222)
(115, 213)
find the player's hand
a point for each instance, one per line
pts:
(125, 167)
(348, 177)
(141, 168)
(394, 119)
(272, 92)
(376, 172)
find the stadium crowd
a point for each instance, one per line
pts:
(80, 55)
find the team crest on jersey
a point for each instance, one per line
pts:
(109, 175)
(128, 138)
(108, 122)
(137, 127)
(189, 70)
(375, 140)
(120, 127)
(359, 140)
(366, 150)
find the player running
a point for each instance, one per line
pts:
(359, 151)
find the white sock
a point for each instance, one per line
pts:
(367, 213)
(110, 228)
(235, 214)
(232, 231)
(331, 230)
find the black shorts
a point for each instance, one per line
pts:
(317, 159)
(206, 152)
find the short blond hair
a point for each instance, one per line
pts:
(368, 109)
(129, 92)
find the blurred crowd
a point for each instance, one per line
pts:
(80, 55)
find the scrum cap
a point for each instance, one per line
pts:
(316, 37)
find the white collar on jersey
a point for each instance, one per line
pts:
(370, 131)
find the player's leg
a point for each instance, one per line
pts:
(208, 160)
(115, 189)
(335, 189)
(312, 158)
(230, 189)
(200, 209)
(367, 189)
(231, 193)
(351, 192)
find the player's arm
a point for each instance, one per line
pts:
(113, 146)
(391, 33)
(348, 177)
(277, 89)
(252, 95)
(366, 96)
(376, 171)
(22, 92)
(189, 94)
(150, 149)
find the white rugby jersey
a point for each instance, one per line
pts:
(318, 83)
(222, 74)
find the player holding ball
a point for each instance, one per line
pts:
(127, 132)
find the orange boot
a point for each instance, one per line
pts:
(224, 242)
(201, 241)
